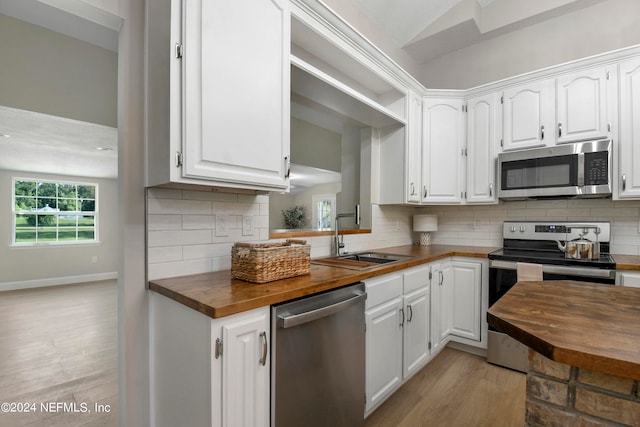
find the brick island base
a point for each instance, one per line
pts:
(563, 395)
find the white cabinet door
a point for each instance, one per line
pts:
(236, 92)
(442, 150)
(582, 100)
(628, 278)
(414, 149)
(528, 115)
(383, 351)
(629, 145)
(244, 389)
(466, 288)
(483, 136)
(441, 297)
(416, 331)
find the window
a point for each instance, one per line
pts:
(323, 210)
(48, 212)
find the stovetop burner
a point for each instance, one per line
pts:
(552, 258)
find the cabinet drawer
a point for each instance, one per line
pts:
(416, 278)
(382, 289)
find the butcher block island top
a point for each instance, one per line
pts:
(217, 294)
(580, 324)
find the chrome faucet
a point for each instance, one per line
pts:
(339, 240)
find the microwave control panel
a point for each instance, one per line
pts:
(596, 168)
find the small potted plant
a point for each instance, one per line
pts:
(295, 217)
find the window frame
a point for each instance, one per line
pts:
(94, 213)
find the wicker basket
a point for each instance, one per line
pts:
(266, 262)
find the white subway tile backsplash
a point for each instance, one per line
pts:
(164, 222)
(198, 222)
(182, 238)
(179, 207)
(164, 254)
(454, 227)
(164, 193)
(206, 251)
(179, 268)
(178, 238)
(209, 196)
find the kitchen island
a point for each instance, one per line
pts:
(584, 359)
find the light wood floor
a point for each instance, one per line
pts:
(58, 345)
(456, 389)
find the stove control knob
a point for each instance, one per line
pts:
(513, 229)
(523, 228)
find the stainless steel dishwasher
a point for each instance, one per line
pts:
(318, 347)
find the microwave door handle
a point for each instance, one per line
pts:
(580, 169)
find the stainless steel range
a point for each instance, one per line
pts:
(566, 250)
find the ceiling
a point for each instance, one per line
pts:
(427, 29)
(41, 143)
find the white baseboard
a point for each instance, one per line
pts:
(56, 281)
(482, 352)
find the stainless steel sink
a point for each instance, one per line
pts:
(361, 260)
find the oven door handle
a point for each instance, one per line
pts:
(559, 269)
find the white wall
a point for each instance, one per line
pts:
(482, 225)
(54, 74)
(603, 27)
(133, 303)
(31, 266)
(315, 146)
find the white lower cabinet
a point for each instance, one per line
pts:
(397, 318)
(383, 354)
(465, 293)
(416, 309)
(457, 303)
(208, 372)
(628, 278)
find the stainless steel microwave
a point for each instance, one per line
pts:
(580, 169)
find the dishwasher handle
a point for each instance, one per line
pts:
(292, 320)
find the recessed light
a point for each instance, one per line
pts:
(104, 149)
(5, 135)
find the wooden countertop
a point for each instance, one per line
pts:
(581, 324)
(627, 262)
(217, 294)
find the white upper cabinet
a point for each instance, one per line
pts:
(483, 136)
(528, 112)
(442, 150)
(582, 105)
(574, 107)
(629, 145)
(219, 94)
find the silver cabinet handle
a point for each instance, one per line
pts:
(265, 348)
(425, 191)
(402, 316)
(441, 278)
(410, 313)
(287, 167)
(542, 132)
(491, 190)
(559, 130)
(218, 347)
(624, 181)
(413, 189)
